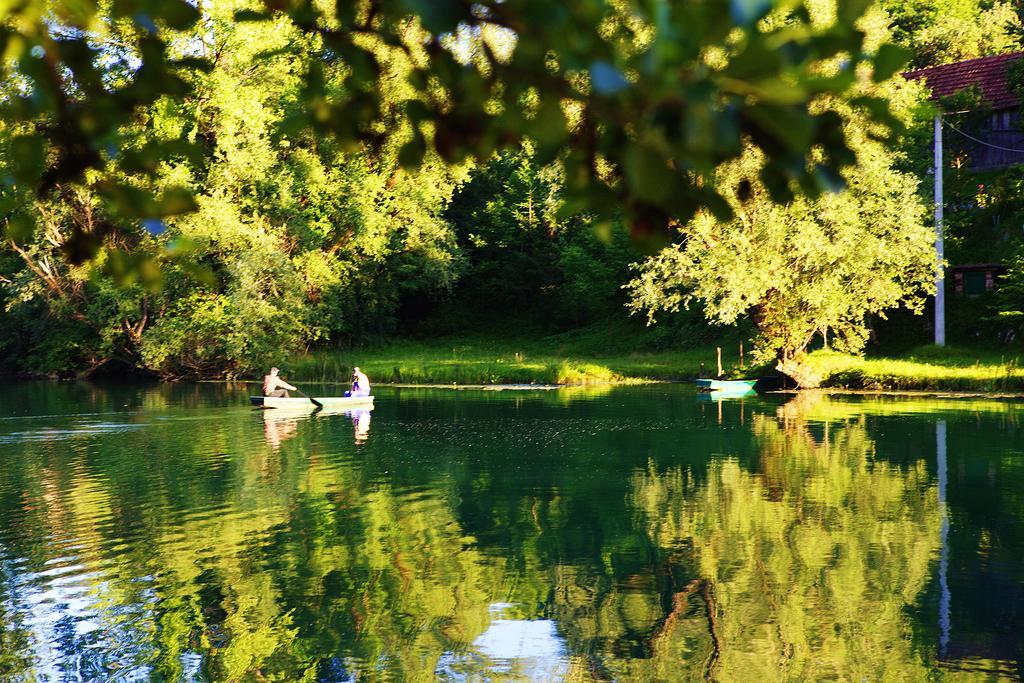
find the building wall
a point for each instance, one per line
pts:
(1002, 129)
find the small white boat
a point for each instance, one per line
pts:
(299, 403)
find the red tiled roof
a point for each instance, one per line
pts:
(988, 73)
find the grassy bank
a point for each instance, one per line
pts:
(592, 358)
(544, 360)
(924, 368)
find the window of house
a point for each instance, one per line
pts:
(974, 282)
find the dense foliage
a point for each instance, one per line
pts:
(809, 268)
(523, 256)
(943, 31)
(293, 240)
(639, 100)
(197, 192)
(738, 272)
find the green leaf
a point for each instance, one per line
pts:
(128, 269)
(128, 201)
(176, 200)
(828, 179)
(178, 14)
(200, 271)
(776, 181)
(345, 13)
(243, 15)
(648, 173)
(192, 63)
(880, 112)
(888, 61)
(19, 228)
(438, 16)
(548, 125)
(850, 11)
(417, 111)
(28, 153)
(304, 14)
(80, 246)
(716, 204)
(411, 154)
(788, 125)
(755, 61)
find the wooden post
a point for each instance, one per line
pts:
(718, 352)
(940, 284)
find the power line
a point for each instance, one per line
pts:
(982, 142)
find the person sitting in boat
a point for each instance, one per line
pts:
(275, 387)
(360, 383)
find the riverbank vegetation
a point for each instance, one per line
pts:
(925, 368)
(557, 360)
(432, 193)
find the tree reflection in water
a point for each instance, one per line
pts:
(522, 537)
(807, 564)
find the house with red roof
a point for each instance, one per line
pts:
(993, 141)
(999, 141)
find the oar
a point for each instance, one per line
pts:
(315, 402)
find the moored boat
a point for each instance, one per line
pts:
(294, 402)
(730, 385)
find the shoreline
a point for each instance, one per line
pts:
(486, 363)
(547, 387)
(898, 393)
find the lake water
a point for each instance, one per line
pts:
(171, 533)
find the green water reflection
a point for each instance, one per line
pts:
(170, 533)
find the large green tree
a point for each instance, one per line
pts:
(522, 254)
(811, 268)
(292, 239)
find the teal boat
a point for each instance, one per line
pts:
(733, 386)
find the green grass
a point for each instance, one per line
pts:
(597, 356)
(487, 360)
(924, 368)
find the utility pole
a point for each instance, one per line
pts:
(940, 281)
(944, 594)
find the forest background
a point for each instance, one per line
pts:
(312, 254)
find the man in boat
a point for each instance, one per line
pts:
(360, 383)
(275, 387)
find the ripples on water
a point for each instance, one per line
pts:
(173, 534)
